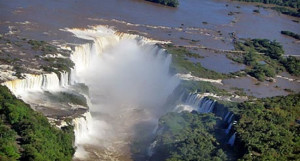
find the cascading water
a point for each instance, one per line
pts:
(129, 82)
(81, 127)
(226, 116)
(230, 118)
(64, 79)
(151, 148)
(228, 129)
(232, 139)
(36, 83)
(197, 102)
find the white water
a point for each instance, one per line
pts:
(129, 83)
(232, 139)
(228, 129)
(128, 79)
(196, 102)
(36, 83)
(151, 148)
(226, 116)
(230, 118)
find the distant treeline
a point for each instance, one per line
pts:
(27, 135)
(287, 3)
(283, 6)
(291, 34)
(172, 3)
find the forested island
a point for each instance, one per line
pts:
(288, 7)
(264, 58)
(291, 34)
(288, 3)
(171, 3)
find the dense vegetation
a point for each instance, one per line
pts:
(27, 135)
(291, 34)
(288, 3)
(287, 11)
(186, 137)
(57, 65)
(52, 64)
(269, 129)
(288, 7)
(264, 58)
(172, 3)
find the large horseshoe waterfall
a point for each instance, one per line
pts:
(128, 80)
(129, 83)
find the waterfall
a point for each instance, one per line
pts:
(206, 105)
(101, 38)
(200, 103)
(37, 83)
(155, 129)
(86, 57)
(81, 127)
(228, 129)
(81, 57)
(230, 119)
(232, 139)
(64, 79)
(226, 116)
(151, 148)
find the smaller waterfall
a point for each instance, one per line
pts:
(82, 127)
(50, 82)
(155, 129)
(34, 83)
(230, 119)
(151, 148)
(226, 116)
(200, 103)
(232, 139)
(81, 57)
(206, 105)
(228, 129)
(64, 79)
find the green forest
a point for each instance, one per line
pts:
(27, 135)
(188, 136)
(270, 128)
(266, 128)
(287, 7)
(288, 3)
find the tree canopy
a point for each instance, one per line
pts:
(27, 134)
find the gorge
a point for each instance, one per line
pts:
(113, 93)
(128, 80)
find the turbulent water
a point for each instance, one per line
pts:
(129, 83)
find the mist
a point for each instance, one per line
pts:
(129, 85)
